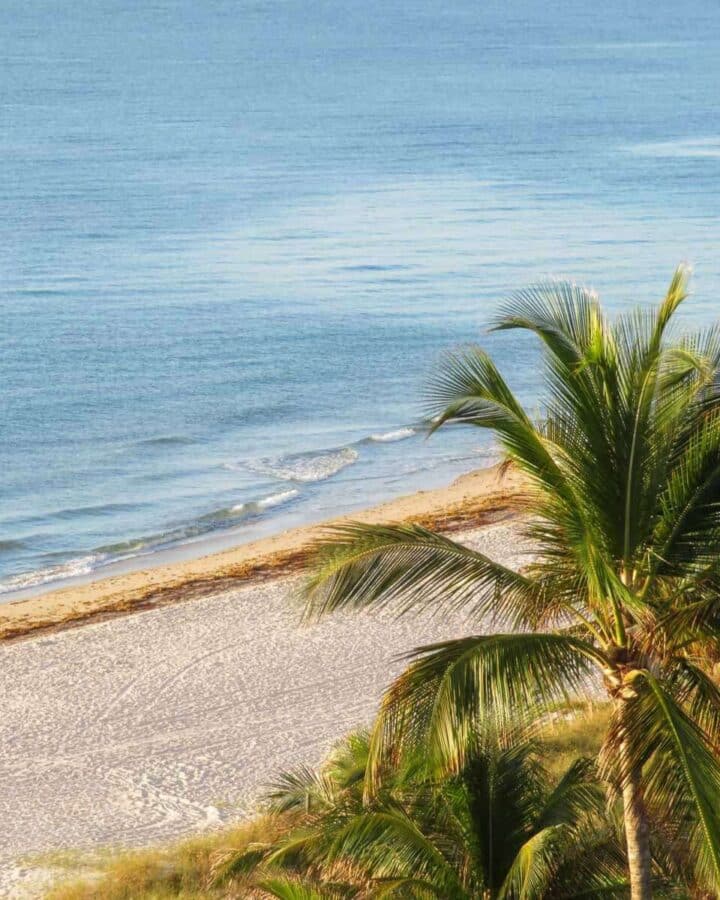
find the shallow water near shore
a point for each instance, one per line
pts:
(235, 237)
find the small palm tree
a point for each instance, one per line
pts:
(500, 828)
(623, 500)
(497, 829)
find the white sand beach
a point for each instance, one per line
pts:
(142, 728)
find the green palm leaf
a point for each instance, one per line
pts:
(468, 388)
(576, 796)
(360, 565)
(534, 866)
(303, 789)
(699, 695)
(404, 887)
(388, 843)
(441, 695)
(293, 889)
(593, 865)
(241, 863)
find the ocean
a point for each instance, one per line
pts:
(236, 236)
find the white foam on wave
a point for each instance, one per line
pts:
(305, 467)
(688, 148)
(278, 499)
(389, 437)
(80, 566)
(126, 550)
(267, 502)
(232, 515)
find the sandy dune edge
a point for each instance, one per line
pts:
(481, 496)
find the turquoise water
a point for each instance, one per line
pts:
(234, 236)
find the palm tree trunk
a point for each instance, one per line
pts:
(637, 828)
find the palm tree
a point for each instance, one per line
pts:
(623, 501)
(499, 828)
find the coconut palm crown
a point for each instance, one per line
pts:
(623, 502)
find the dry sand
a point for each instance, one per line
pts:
(140, 728)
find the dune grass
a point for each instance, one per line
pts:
(183, 870)
(579, 734)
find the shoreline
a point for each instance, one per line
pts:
(479, 497)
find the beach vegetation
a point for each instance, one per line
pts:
(291, 849)
(183, 870)
(622, 470)
(500, 827)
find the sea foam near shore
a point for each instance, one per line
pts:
(390, 437)
(293, 482)
(224, 518)
(305, 467)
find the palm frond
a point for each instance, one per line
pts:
(676, 293)
(563, 314)
(388, 843)
(237, 864)
(405, 888)
(532, 870)
(303, 789)
(468, 388)
(699, 695)
(593, 867)
(448, 686)
(359, 565)
(285, 888)
(575, 797)
(347, 762)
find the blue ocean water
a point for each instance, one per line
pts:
(234, 237)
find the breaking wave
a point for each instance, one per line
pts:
(389, 437)
(319, 465)
(226, 517)
(83, 565)
(305, 467)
